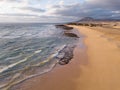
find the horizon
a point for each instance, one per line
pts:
(56, 11)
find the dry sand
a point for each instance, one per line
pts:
(100, 72)
(103, 69)
(110, 32)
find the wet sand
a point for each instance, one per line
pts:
(99, 69)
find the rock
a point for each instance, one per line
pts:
(59, 26)
(74, 23)
(70, 34)
(63, 62)
(61, 55)
(68, 55)
(64, 27)
(67, 28)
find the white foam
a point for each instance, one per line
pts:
(57, 52)
(38, 51)
(12, 65)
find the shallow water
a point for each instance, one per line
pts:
(27, 50)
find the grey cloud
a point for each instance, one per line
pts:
(108, 4)
(33, 9)
(71, 12)
(68, 10)
(93, 8)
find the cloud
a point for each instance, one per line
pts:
(11, 0)
(93, 8)
(33, 9)
(17, 14)
(111, 4)
(40, 10)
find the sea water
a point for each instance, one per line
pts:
(27, 50)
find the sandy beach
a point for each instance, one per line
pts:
(102, 71)
(59, 44)
(96, 67)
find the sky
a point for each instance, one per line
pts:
(51, 11)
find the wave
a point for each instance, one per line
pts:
(20, 61)
(28, 51)
(40, 71)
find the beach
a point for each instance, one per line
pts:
(29, 50)
(93, 67)
(102, 71)
(59, 45)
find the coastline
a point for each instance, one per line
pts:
(96, 68)
(60, 73)
(62, 76)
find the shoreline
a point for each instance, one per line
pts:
(60, 56)
(95, 67)
(55, 74)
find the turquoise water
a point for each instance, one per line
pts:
(27, 50)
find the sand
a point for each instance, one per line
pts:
(102, 71)
(111, 33)
(99, 69)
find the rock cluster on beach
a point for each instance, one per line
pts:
(64, 27)
(68, 31)
(71, 34)
(65, 55)
(86, 24)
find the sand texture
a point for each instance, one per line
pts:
(102, 71)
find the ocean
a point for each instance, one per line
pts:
(28, 50)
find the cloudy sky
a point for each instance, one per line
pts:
(57, 10)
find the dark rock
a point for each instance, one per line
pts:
(70, 34)
(64, 27)
(63, 62)
(67, 28)
(65, 55)
(59, 25)
(72, 23)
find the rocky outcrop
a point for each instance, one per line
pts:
(68, 31)
(65, 55)
(71, 34)
(64, 27)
